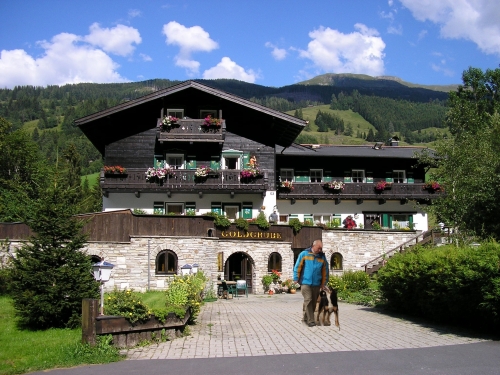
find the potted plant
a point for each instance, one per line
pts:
(266, 281)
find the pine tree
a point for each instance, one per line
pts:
(50, 274)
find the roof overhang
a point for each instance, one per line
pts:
(243, 117)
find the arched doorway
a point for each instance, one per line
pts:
(239, 266)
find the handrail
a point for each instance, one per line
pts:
(425, 238)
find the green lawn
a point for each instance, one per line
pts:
(25, 351)
(93, 179)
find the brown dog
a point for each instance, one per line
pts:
(326, 304)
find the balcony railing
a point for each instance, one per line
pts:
(311, 190)
(183, 180)
(191, 130)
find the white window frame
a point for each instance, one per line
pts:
(315, 171)
(355, 178)
(284, 174)
(398, 172)
(232, 154)
(176, 112)
(177, 204)
(181, 156)
(238, 209)
(323, 218)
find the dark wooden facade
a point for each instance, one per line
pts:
(120, 226)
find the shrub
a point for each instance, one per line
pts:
(241, 224)
(295, 224)
(220, 221)
(128, 304)
(138, 211)
(262, 222)
(446, 284)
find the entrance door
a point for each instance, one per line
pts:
(239, 267)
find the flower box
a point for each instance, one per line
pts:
(383, 185)
(168, 122)
(432, 186)
(286, 186)
(114, 171)
(334, 186)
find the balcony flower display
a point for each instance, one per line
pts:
(249, 174)
(159, 174)
(114, 169)
(202, 172)
(286, 185)
(211, 122)
(383, 185)
(167, 122)
(334, 185)
(432, 186)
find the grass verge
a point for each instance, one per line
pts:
(26, 351)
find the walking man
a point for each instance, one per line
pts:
(311, 272)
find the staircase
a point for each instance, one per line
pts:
(429, 237)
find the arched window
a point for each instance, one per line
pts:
(166, 262)
(336, 261)
(274, 262)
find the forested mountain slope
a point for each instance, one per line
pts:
(47, 113)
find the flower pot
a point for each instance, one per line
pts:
(271, 292)
(293, 291)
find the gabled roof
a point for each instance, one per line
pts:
(364, 151)
(242, 116)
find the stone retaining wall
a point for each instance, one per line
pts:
(132, 262)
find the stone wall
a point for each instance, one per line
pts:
(358, 247)
(132, 263)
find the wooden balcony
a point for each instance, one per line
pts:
(191, 130)
(183, 180)
(315, 190)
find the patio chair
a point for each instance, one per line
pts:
(241, 285)
(227, 290)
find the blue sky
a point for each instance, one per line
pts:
(270, 43)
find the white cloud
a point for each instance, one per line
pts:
(117, 40)
(278, 53)
(442, 69)
(229, 69)
(145, 57)
(66, 59)
(134, 13)
(189, 40)
(395, 30)
(358, 52)
(389, 15)
(422, 34)
(474, 20)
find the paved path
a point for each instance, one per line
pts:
(271, 325)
